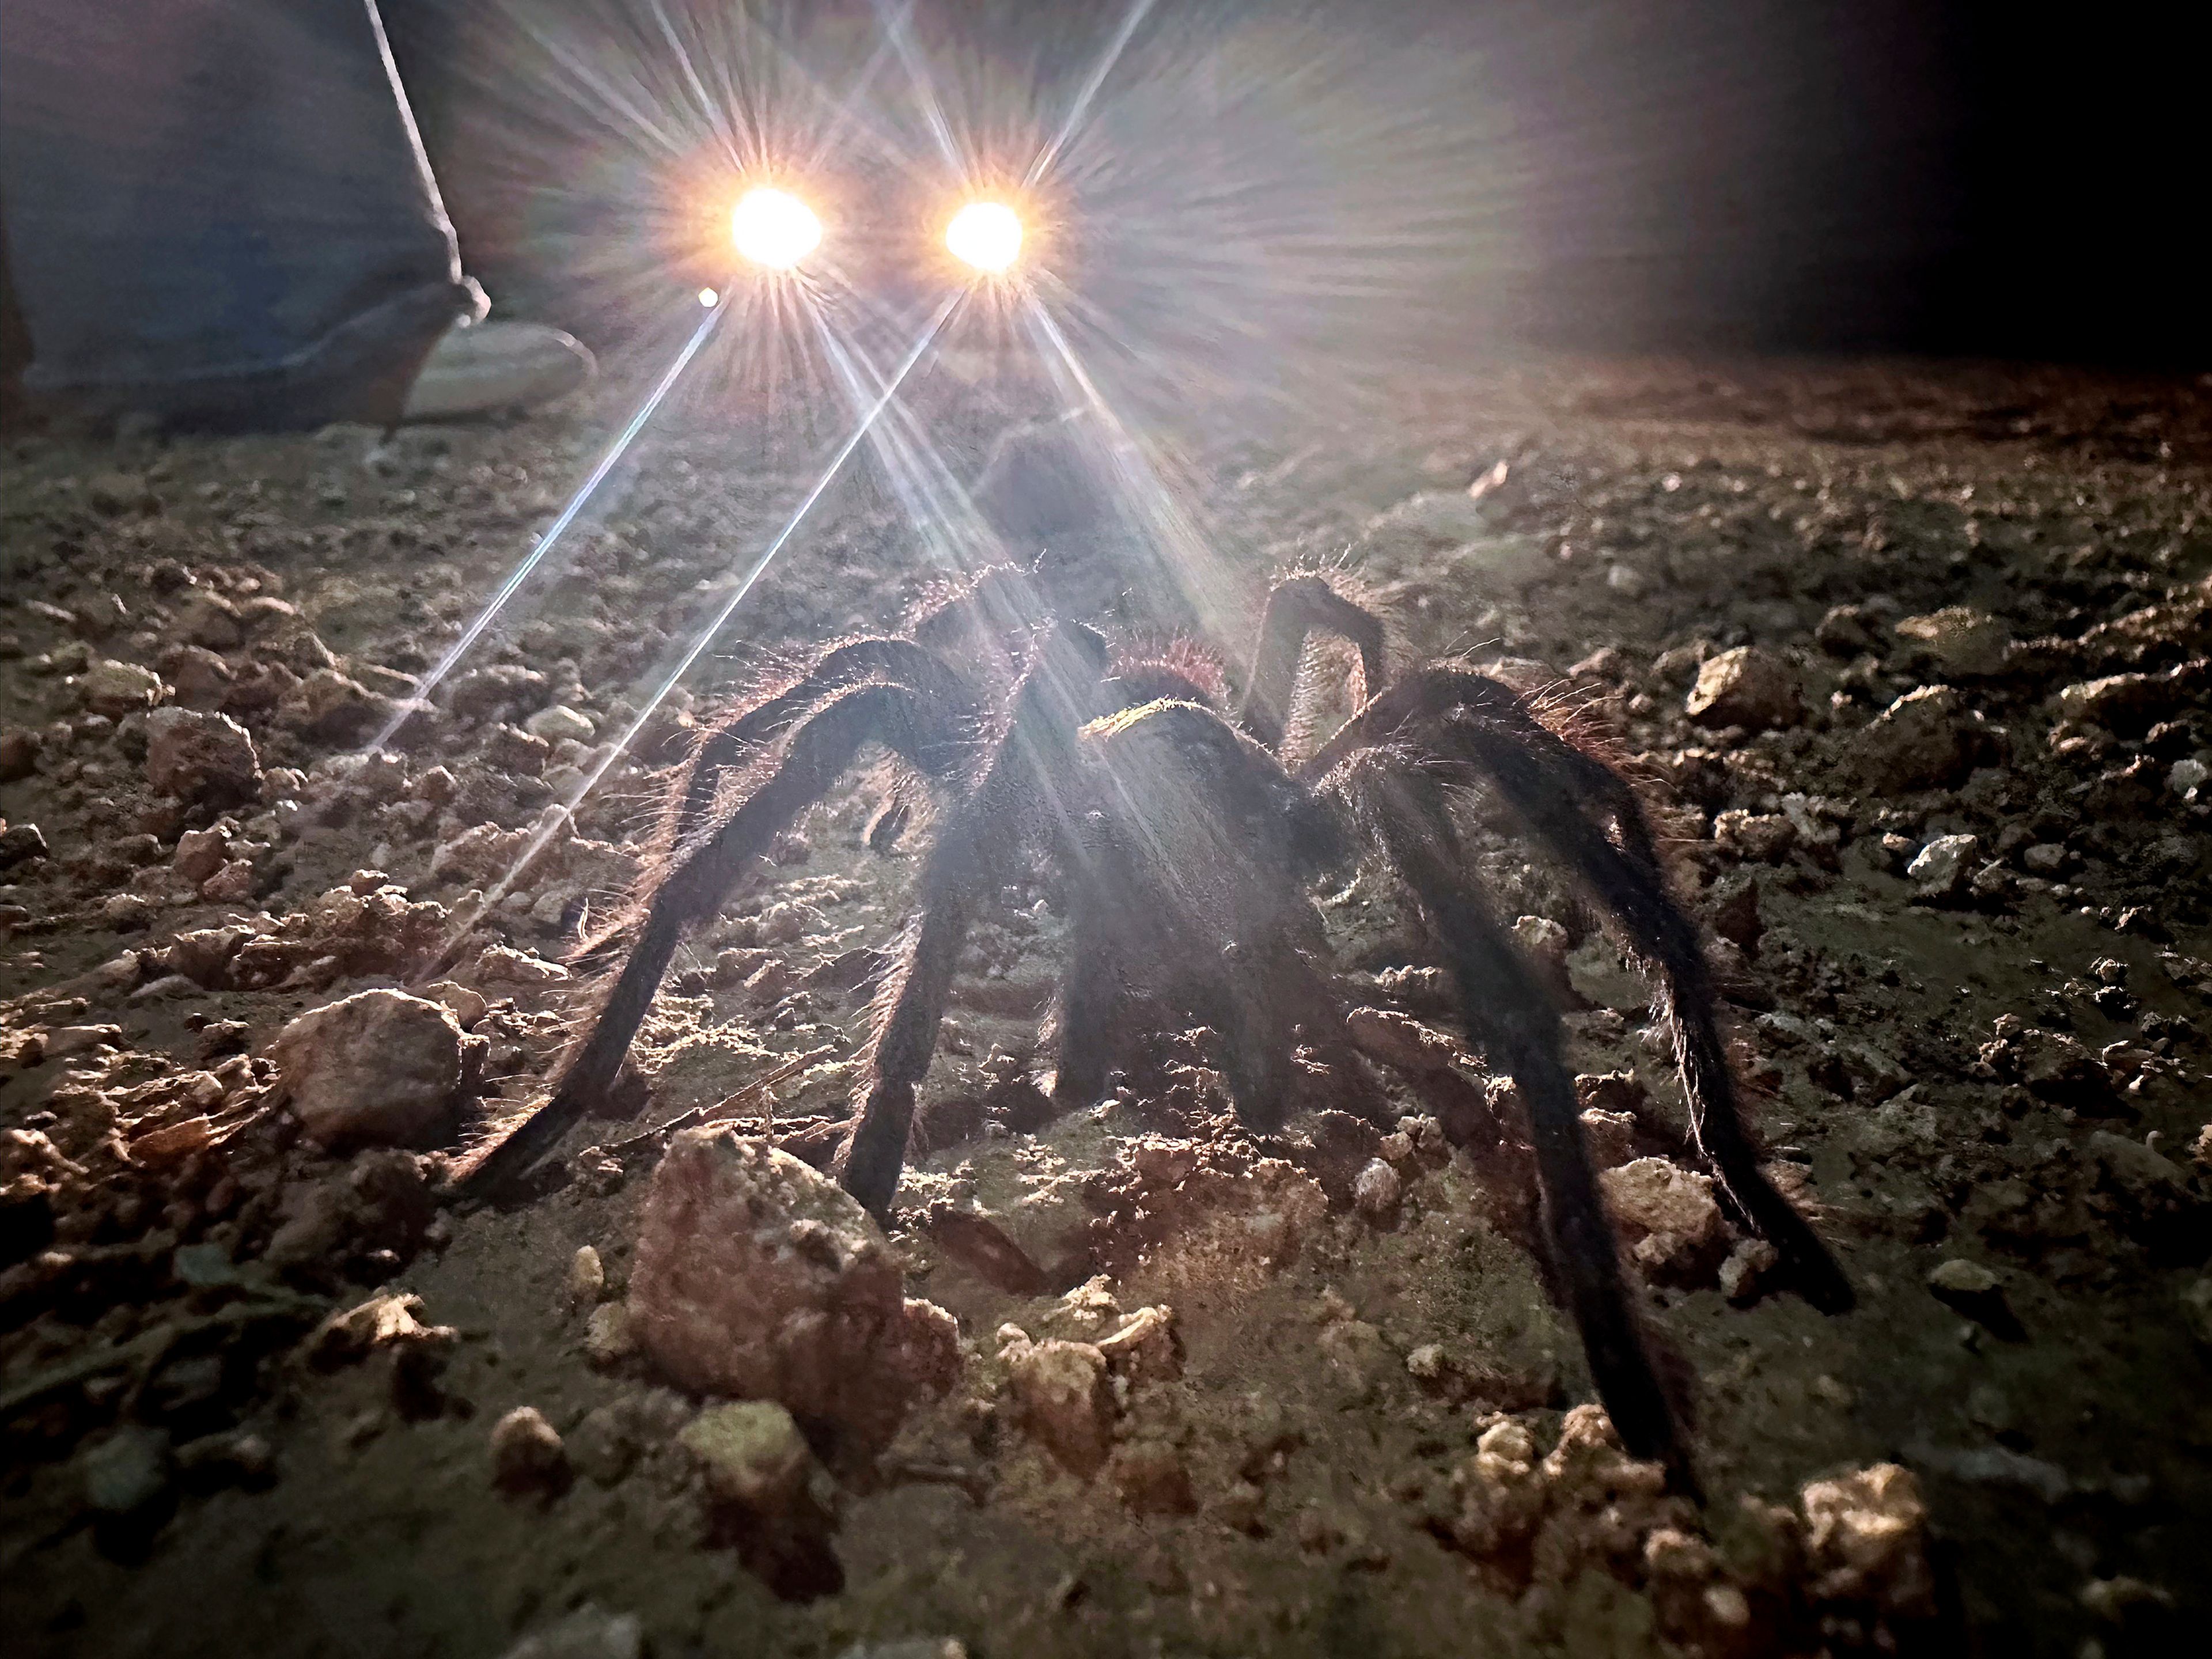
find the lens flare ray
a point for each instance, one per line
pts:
(550, 824)
(554, 532)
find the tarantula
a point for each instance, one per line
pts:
(1188, 850)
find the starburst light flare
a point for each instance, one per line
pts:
(987, 235)
(774, 228)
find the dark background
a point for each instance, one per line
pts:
(1963, 178)
(1957, 178)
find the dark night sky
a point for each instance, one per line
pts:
(1960, 178)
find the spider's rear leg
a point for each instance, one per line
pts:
(1503, 1008)
(816, 755)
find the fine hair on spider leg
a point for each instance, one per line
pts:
(1503, 1008)
(691, 891)
(1487, 728)
(979, 836)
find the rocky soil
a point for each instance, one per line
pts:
(1915, 664)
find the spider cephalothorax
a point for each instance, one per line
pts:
(1188, 850)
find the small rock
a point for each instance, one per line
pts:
(2185, 777)
(589, 1632)
(1375, 1190)
(1929, 738)
(1943, 866)
(20, 843)
(1866, 1539)
(1959, 1278)
(391, 1321)
(1740, 1274)
(468, 1006)
(526, 1453)
(116, 689)
(754, 1454)
(329, 708)
(1667, 1213)
(378, 1066)
(1745, 687)
(201, 853)
(19, 753)
(759, 1276)
(588, 1277)
(1963, 643)
(207, 619)
(128, 1474)
(200, 757)
(501, 964)
(1061, 1391)
(1600, 978)
(1147, 1348)
(232, 884)
(607, 1339)
(560, 722)
(1760, 837)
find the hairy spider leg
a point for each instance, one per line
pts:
(911, 724)
(737, 742)
(1028, 775)
(1503, 1008)
(1297, 606)
(1543, 776)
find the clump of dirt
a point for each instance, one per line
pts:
(1913, 666)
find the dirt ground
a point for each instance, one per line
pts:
(1978, 604)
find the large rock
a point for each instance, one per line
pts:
(200, 757)
(1929, 738)
(757, 1277)
(1746, 687)
(379, 1068)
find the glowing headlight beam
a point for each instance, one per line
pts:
(550, 822)
(1179, 554)
(925, 91)
(943, 513)
(1081, 106)
(773, 228)
(985, 235)
(558, 528)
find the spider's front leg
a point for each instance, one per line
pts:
(1484, 727)
(1296, 607)
(1029, 774)
(1502, 1008)
(916, 727)
(734, 745)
